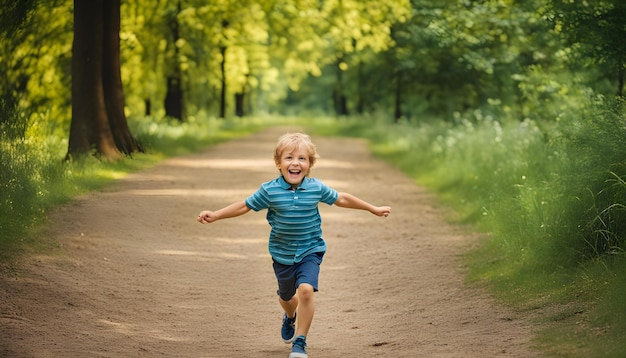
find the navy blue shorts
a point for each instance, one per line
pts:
(291, 276)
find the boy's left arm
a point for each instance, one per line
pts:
(350, 201)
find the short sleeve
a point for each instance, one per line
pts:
(328, 194)
(259, 200)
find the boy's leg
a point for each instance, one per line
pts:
(288, 329)
(306, 283)
(289, 306)
(288, 300)
(306, 309)
(296, 287)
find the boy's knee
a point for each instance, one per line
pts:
(305, 292)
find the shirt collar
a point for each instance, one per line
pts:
(287, 186)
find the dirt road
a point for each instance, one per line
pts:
(136, 276)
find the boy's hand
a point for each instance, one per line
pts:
(207, 217)
(382, 211)
(235, 209)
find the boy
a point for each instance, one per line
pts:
(295, 243)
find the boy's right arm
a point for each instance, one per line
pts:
(232, 210)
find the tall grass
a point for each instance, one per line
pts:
(551, 202)
(34, 178)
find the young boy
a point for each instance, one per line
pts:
(295, 243)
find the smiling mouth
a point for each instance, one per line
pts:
(295, 172)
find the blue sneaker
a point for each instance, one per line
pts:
(298, 349)
(288, 330)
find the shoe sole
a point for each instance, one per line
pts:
(297, 355)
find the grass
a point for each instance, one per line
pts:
(550, 202)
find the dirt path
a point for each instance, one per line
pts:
(137, 276)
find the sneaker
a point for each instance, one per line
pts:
(288, 330)
(298, 349)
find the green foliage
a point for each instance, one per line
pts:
(595, 220)
(550, 200)
(270, 46)
(13, 16)
(35, 62)
(28, 177)
(596, 29)
(432, 58)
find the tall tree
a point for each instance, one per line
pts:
(174, 104)
(223, 48)
(90, 128)
(112, 80)
(98, 120)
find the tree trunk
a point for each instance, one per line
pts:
(360, 103)
(223, 89)
(341, 102)
(148, 106)
(620, 81)
(174, 98)
(239, 104)
(174, 105)
(398, 102)
(89, 129)
(112, 80)
(223, 48)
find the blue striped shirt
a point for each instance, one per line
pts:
(293, 216)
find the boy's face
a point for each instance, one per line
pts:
(294, 165)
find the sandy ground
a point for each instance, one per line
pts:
(136, 276)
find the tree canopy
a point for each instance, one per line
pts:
(401, 58)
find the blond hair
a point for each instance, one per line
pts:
(293, 141)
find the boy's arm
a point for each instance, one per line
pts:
(350, 201)
(232, 210)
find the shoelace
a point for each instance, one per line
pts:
(291, 321)
(300, 343)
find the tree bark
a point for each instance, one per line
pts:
(239, 104)
(398, 100)
(340, 100)
(223, 48)
(174, 105)
(223, 84)
(174, 98)
(90, 128)
(360, 102)
(112, 80)
(620, 82)
(148, 107)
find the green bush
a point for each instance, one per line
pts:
(596, 178)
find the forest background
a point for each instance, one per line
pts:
(511, 111)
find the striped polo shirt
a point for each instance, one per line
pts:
(293, 216)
